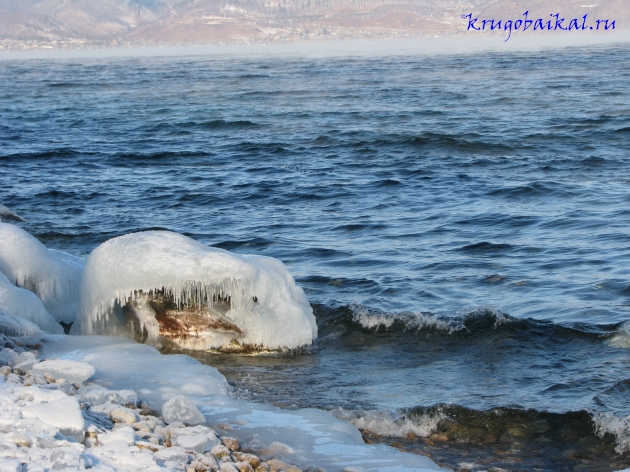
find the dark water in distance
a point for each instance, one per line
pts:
(461, 224)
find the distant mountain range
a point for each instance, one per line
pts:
(97, 23)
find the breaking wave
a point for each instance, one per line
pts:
(465, 321)
(457, 423)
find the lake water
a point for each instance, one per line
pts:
(460, 224)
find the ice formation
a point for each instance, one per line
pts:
(64, 369)
(161, 287)
(54, 276)
(17, 326)
(301, 437)
(181, 409)
(19, 302)
(7, 214)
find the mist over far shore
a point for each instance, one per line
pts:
(395, 47)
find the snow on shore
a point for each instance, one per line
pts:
(52, 423)
(49, 422)
(301, 437)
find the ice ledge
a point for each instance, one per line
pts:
(308, 435)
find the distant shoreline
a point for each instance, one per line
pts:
(453, 44)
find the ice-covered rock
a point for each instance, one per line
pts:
(8, 356)
(26, 361)
(98, 395)
(125, 434)
(182, 409)
(172, 454)
(54, 276)
(60, 411)
(11, 465)
(19, 302)
(156, 286)
(8, 215)
(16, 326)
(197, 438)
(40, 433)
(64, 369)
(124, 415)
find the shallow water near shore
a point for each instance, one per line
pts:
(459, 224)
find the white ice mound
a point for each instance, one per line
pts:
(16, 326)
(182, 409)
(19, 302)
(159, 286)
(65, 369)
(54, 276)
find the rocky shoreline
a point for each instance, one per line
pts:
(52, 417)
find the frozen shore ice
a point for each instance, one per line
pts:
(19, 302)
(157, 284)
(301, 437)
(54, 276)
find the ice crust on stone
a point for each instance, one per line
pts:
(263, 302)
(197, 438)
(181, 409)
(54, 276)
(19, 302)
(41, 413)
(64, 369)
(17, 326)
(311, 436)
(98, 395)
(126, 365)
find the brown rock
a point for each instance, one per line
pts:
(224, 427)
(149, 446)
(277, 465)
(244, 466)
(231, 443)
(196, 466)
(252, 459)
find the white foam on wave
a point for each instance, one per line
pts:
(390, 423)
(264, 301)
(621, 339)
(484, 311)
(374, 319)
(618, 427)
(54, 276)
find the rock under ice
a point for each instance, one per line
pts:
(161, 287)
